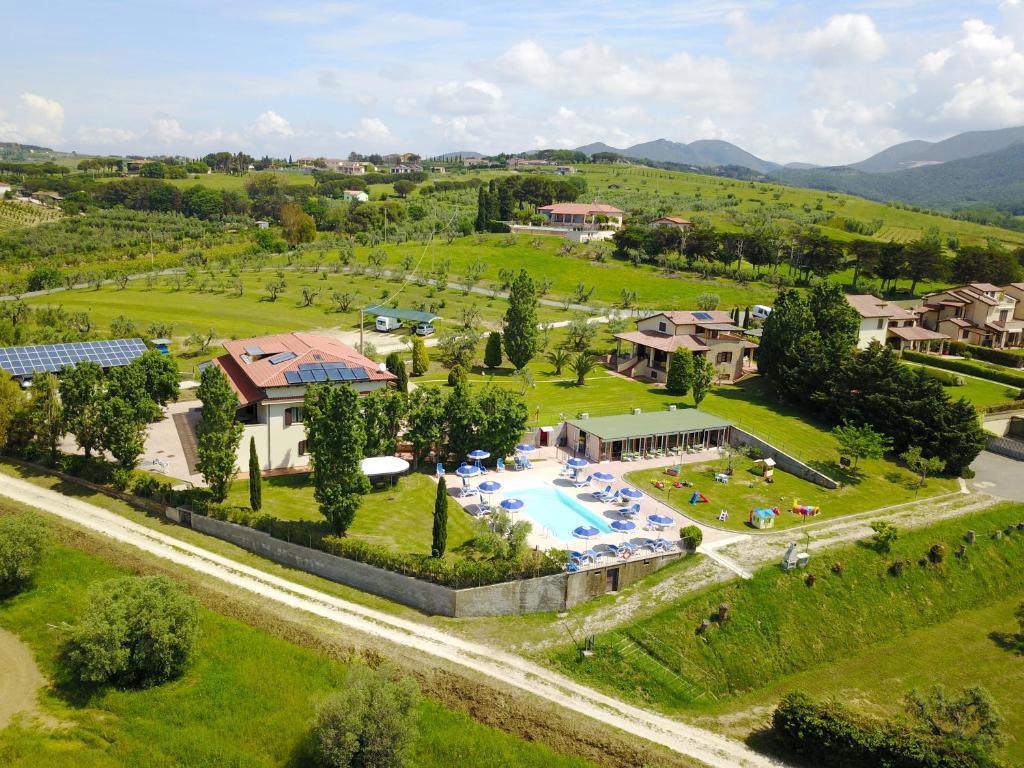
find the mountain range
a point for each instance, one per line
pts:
(704, 153)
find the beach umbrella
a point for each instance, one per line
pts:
(623, 525)
(467, 470)
(489, 486)
(577, 463)
(526, 448)
(586, 532)
(478, 454)
(632, 494)
(604, 477)
(512, 505)
(659, 519)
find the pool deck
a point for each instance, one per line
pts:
(547, 469)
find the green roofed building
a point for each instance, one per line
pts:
(607, 438)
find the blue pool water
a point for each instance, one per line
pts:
(556, 509)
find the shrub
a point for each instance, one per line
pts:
(22, 539)
(1008, 357)
(946, 378)
(456, 374)
(369, 723)
(692, 535)
(138, 631)
(982, 370)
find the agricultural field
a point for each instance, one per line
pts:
(264, 698)
(14, 215)
(236, 183)
(858, 632)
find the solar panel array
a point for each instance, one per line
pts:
(309, 373)
(702, 316)
(24, 361)
(282, 357)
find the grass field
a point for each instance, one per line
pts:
(231, 708)
(981, 393)
(779, 626)
(236, 183)
(746, 490)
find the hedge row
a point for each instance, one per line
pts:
(1011, 358)
(971, 367)
(946, 378)
(829, 735)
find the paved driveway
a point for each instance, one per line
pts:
(999, 476)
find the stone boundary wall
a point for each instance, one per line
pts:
(1006, 446)
(783, 460)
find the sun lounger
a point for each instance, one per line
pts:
(440, 469)
(663, 545)
(584, 482)
(647, 544)
(572, 567)
(593, 554)
(633, 510)
(600, 494)
(500, 465)
(527, 464)
(611, 498)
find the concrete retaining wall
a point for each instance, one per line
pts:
(1006, 446)
(783, 460)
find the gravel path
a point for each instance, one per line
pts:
(509, 669)
(20, 678)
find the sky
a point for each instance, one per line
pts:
(827, 82)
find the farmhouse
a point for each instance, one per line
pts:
(270, 374)
(657, 337)
(977, 313)
(355, 194)
(889, 323)
(672, 221)
(582, 217)
(351, 168)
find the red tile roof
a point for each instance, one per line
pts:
(663, 342)
(686, 317)
(252, 375)
(576, 209)
(868, 306)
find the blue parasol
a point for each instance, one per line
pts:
(604, 477)
(577, 463)
(467, 470)
(526, 448)
(512, 504)
(586, 532)
(489, 486)
(623, 525)
(478, 454)
(660, 520)
(631, 493)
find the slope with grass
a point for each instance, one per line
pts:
(247, 698)
(780, 625)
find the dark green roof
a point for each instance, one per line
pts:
(651, 423)
(413, 315)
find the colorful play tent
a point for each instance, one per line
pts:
(698, 498)
(804, 509)
(763, 518)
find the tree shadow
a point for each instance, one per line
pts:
(1009, 641)
(898, 478)
(303, 754)
(837, 472)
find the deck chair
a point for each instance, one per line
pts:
(440, 469)
(584, 482)
(500, 465)
(612, 498)
(633, 510)
(600, 495)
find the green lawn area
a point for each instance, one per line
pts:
(399, 517)
(854, 628)
(870, 678)
(980, 392)
(235, 182)
(247, 698)
(747, 490)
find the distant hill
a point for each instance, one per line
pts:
(995, 179)
(704, 153)
(459, 155)
(912, 154)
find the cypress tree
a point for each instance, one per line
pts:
(218, 432)
(492, 353)
(680, 373)
(521, 321)
(482, 205)
(396, 365)
(703, 376)
(440, 535)
(420, 358)
(255, 480)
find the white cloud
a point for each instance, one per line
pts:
(270, 123)
(846, 38)
(36, 119)
(473, 97)
(101, 135)
(369, 129)
(166, 129)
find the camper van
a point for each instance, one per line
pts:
(386, 324)
(761, 312)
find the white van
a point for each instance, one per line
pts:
(386, 324)
(761, 312)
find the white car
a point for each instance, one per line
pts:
(761, 312)
(423, 329)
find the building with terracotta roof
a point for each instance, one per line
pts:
(672, 221)
(269, 374)
(583, 216)
(889, 323)
(977, 313)
(712, 333)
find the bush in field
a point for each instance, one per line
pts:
(369, 723)
(137, 631)
(692, 535)
(22, 538)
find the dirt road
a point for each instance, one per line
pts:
(509, 669)
(20, 678)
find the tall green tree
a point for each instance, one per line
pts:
(159, 375)
(502, 420)
(336, 437)
(680, 372)
(45, 415)
(439, 539)
(383, 412)
(703, 377)
(462, 415)
(790, 355)
(838, 326)
(12, 404)
(394, 363)
(581, 364)
(492, 352)
(425, 424)
(521, 340)
(925, 259)
(861, 442)
(218, 432)
(255, 478)
(420, 358)
(82, 393)
(124, 431)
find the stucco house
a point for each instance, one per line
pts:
(889, 323)
(672, 221)
(269, 374)
(359, 195)
(976, 313)
(583, 216)
(650, 347)
(351, 167)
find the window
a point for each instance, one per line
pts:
(964, 333)
(292, 416)
(663, 327)
(724, 357)
(881, 323)
(302, 447)
(1003, 315)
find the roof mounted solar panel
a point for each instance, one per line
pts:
(334, 374)
(310, 366)
(307, 377)
(360, 374)
(292, 377)
(282, 357)
(254, 350)
(320, 375)
(702, 315)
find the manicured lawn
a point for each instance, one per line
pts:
(780, 626)
(747, 490)
(980, 392)
(247, 698)
(399, 517)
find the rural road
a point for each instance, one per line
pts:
(506, 668)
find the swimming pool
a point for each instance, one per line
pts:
(551, 507)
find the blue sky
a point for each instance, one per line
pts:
(817, 82)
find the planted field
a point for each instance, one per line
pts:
(250, 708)
(780, 626)
(14, 214)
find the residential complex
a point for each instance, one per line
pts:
(889, 323)
(977, 313)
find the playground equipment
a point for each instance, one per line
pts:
(698, 498)
(793, 559)
(762, 518)
(767, 469)
(807, 510)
